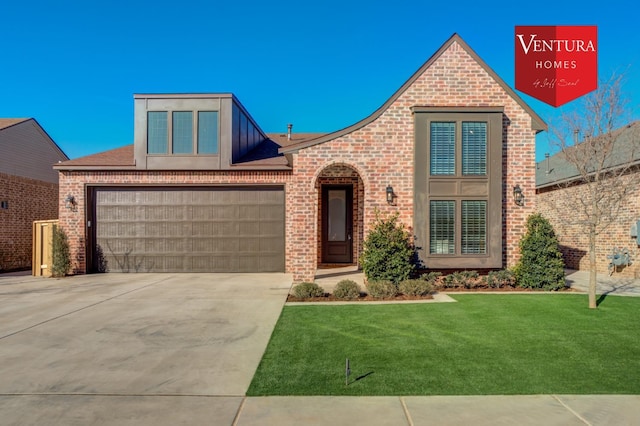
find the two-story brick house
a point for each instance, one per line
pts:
(203, 188)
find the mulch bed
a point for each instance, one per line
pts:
(328, 297)
(363, 298)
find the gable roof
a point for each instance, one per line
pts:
(118, 158)
(8, 122)
(536, 122)
(557, 169)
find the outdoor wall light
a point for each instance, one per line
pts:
(518, 196)
(70, 202)
(390, 194)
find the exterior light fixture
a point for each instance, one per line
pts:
(518, 196)
(70, 202)
(390, 194)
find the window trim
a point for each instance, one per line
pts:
(458, 187)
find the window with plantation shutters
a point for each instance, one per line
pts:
(474, 227)
(443, 148)
(458, 203)
(474, 148)
(442, 224)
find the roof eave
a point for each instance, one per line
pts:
(71, 167)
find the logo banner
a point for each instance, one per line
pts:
(556, 64)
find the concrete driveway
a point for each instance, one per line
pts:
(133, 348)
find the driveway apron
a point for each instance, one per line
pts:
(131, 346)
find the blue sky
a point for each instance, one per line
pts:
(75, 65)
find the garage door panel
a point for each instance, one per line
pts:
(191, 230)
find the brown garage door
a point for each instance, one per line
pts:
(190, 229)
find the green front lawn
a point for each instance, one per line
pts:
(484, 344)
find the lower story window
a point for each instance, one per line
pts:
(472, 227)
(442, 224)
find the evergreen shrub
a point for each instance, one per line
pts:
(541, 265)
(388, 251)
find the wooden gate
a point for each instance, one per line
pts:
(42, 247)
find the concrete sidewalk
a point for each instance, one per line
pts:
(441, 410)
(605, 284)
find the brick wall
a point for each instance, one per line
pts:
(558, 205)
(75, 182)
(382, 153)
(28, 200)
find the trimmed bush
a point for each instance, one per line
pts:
(462, 279)
(346, 289)
(61, 256)
(388, 251)
(382, 289)
(541, 265)
(307, 290)
(501, 279)
(432, 277)
(415, 287)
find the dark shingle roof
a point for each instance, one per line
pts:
(296, 138)
(114, 158)
(557, 169)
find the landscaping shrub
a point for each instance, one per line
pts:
(346, 289)
(501, 279)
(61, 256)
(432, 277)
(541, 265)
(415, 287)
(307, 290)
(462, 279)
(388, 251)
(382, 289)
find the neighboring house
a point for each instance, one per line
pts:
(28, 187)
(203, 188)
(556, 190)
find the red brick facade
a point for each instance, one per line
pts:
(370, 158)
(555, 205)
(27, 200)
(382, 153)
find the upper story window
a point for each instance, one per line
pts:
(458, 145)
(182, 132)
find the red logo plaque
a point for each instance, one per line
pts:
(556, 64)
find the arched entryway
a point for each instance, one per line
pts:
(340, 215)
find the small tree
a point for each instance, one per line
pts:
(388, 251)
(602, 156)
(541, 264)
(61, 256)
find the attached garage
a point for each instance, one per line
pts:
(188, 229)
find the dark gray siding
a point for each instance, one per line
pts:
(27, 151)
